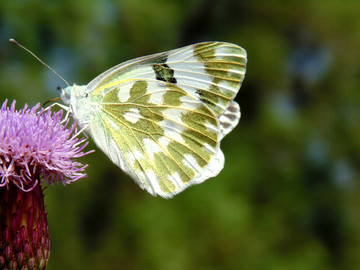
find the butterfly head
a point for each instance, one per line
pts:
(76, 97)
(71, 94)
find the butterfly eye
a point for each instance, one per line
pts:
(86, 95)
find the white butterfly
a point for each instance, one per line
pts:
(161, 117)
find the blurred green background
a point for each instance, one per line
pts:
(289, 193)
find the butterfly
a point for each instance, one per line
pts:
(161, 117)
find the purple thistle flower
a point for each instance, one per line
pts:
(35, 146)
(36, 143)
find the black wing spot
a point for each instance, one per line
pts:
(202, 96)
(163, 72)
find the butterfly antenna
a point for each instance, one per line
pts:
(37, 58)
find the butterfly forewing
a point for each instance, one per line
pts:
(209, 71)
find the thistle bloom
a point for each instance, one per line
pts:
(35, 147)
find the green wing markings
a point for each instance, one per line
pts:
(225, 63)
(166, 143)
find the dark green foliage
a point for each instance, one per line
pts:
(289, 193)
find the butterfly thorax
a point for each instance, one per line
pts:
(77, 98)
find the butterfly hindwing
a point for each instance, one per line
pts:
(160, 135)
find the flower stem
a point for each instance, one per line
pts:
(24, 232)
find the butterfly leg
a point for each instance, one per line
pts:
(82, 131)
(64, 107)
(66, 117)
